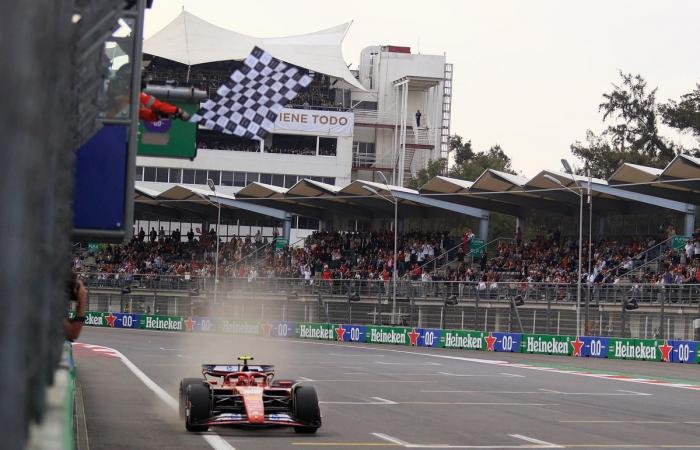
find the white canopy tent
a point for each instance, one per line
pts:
(190, 40)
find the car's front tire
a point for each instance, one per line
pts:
(183, 392)
(197, 407)
(306, 409)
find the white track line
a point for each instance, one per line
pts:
(512, 365)
(392, 439)
(535, 441)
(214, 440)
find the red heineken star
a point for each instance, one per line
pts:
(665, 351)
(413, 336)
(266, 329)
(490, 340)
(578, 345)
(189, 324)
(111, 318)
(339, 333)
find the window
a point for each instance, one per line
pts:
(226, 178)
(329, 180)
(175, 176)
(252, 177)
(307, 223)
(266, 178)
(200, 177)
(363, 154)
(327, 146)
(188, 176)
(289, 180)
(149, 174)
(215, 176)
(278, 180)
(162, 174)
(139, 173)
(239, 178)
(319, 179)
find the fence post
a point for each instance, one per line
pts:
(476, 311)
(486, 318)
(664, 292)
(284, 312)
(549, 310)
(319, 305)
(462, 323)
(558, 321)
(442, 316)
(534, 320)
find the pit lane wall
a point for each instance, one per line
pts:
(673, 351)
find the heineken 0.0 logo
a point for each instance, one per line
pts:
(163, 323)
(556, 345)
(316, 331)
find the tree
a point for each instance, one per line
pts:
(469, 168)
(685, 114)
(435, 167)
(632, 134)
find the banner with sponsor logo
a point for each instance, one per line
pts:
(323, 331)
(546, 344)
(350, 333)
(329, 123)
(278, 329)
(590, 346)
(503, 342)
(468, 340)
(641, 349)
(391, 335)
(164, 323)
(685, 352)
(675, 351)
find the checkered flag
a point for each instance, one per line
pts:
(247, 104)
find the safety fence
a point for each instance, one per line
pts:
(539, 292)
(666, 350)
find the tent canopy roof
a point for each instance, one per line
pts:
(191, 40)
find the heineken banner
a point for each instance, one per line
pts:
(323, 331)
(503, 342)
(239, 327)
(164, 323)
(590, 346)
(546, 344)
(642, 349)
(675, 351)
(391, 335)
(683, 352)
(468, 340)
(350, 333)
(96, 319)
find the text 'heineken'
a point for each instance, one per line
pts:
(387, 337)
(536, 344)
(163, 324)
(639, 351)
(315, 332)
(454, 340)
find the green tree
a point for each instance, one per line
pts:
(435, 167)
(470, 168)
(632, 135)
(683, 115)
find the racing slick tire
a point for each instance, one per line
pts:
(183, 392)
(306, 409)
(198, 406)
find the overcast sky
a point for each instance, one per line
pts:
(528, 75)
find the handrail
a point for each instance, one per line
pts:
(257, 249)
(485, 247)
(615, 268)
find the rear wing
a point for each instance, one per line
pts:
(223, 369)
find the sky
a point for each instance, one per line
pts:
(528, 75)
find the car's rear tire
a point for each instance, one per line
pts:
(198, 401)
(183, 392)
(306, 409)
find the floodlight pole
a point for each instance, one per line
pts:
(396, 239)
(212, 186)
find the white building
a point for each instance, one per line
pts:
(348, 125)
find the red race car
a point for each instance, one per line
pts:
(243, 394)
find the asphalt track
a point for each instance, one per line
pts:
(385, 396)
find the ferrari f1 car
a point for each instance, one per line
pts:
(247, 395)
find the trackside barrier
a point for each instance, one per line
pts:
(676, 351)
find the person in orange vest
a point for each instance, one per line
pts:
(151, 109)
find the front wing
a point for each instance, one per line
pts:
(272, 419)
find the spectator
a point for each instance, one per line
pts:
(153, 235)
(76, 293)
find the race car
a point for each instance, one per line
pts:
(247, 395)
